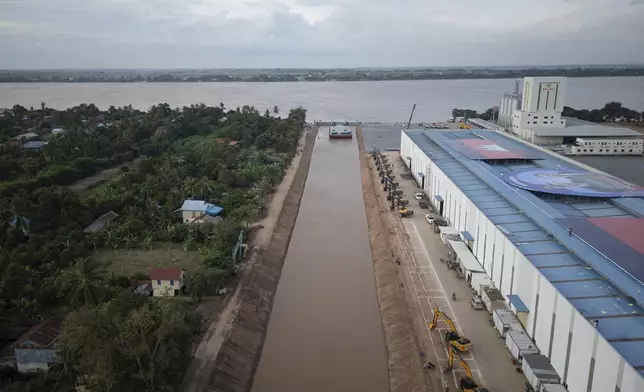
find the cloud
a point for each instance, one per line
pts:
(292, 33)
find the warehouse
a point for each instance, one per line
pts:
(559, 242)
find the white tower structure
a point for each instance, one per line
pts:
(510, 102)
(542, 104)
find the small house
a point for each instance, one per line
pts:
(26, 136)
(167, 282)
(35, 350)
(34, 145)
(102, 222)
(198, 211)
(57, 131)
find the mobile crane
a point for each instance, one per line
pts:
(467, 383)
(455, 340)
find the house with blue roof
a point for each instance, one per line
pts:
(562, 242)
(200, 211)
(34, 145)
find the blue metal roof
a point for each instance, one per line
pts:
(594, 284)
(518, 304)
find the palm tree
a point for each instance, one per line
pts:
(84, 283)
(276, 111)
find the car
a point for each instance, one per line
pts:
(430, 219)
(419, 195)
(476, 303)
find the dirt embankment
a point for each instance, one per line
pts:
(240, 352)
(405, 366)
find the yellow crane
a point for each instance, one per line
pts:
(467, 383)
(455, 340)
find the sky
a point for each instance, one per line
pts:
(47, 34)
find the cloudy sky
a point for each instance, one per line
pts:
(317, 33)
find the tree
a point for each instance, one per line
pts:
(84, 283)
(143, 345)
(276, 111)
(203, 281)
(612, 110)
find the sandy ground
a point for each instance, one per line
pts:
(404, 363)
(429, 283)
(200, 371)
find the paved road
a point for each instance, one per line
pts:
(433, 285)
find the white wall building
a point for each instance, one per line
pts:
(605, 146)
(542, 104)
(510, 102)
(528, 257)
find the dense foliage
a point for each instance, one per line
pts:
(46, 263)
(612, 111)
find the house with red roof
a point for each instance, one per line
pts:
(167, 282)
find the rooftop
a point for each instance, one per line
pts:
(593, 282)
(42, 335)
(102, 222)
(585, 131)
(34, 145)
(201, 206)
(166, 274)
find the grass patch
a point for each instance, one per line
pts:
(129, 262)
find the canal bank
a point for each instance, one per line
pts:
(325, 331)
(237, 358)
(403, 353)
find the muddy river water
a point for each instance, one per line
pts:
(325, 332)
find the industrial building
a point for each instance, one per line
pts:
(536, 116)
(563, 245)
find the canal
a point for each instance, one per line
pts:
(325, 332)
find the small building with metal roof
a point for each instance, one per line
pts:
(562, 244)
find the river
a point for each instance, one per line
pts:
(325, 332)
(365, 101)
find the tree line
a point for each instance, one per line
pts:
(111, 340)
(611, 112)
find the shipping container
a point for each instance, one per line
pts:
(505, 320)
(520, 344)
(478, 281)
(493, 299)
(538, 371)
(552, 388)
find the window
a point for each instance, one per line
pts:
(536, 117)
(534, 122)
(622, 150)
(545, 122)
(552, 116)
(600, 150)
(172, 283)
(591, 150)
(585, 150)
(630, 150)
(615, 150)
(158, 282)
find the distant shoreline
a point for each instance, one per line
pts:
(302, 75)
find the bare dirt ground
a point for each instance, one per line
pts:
(200, 374)
(101, 177)
(404, 362)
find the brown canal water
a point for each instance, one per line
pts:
(325, 332)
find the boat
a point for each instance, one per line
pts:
(346, 134)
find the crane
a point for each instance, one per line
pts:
(455, 340)
(410, 116)
(467, 383)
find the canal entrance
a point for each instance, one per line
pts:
(325, 332)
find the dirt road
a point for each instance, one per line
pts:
(200, 372)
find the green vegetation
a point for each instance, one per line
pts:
(611, 112)
(305, 74)
(111, 340)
